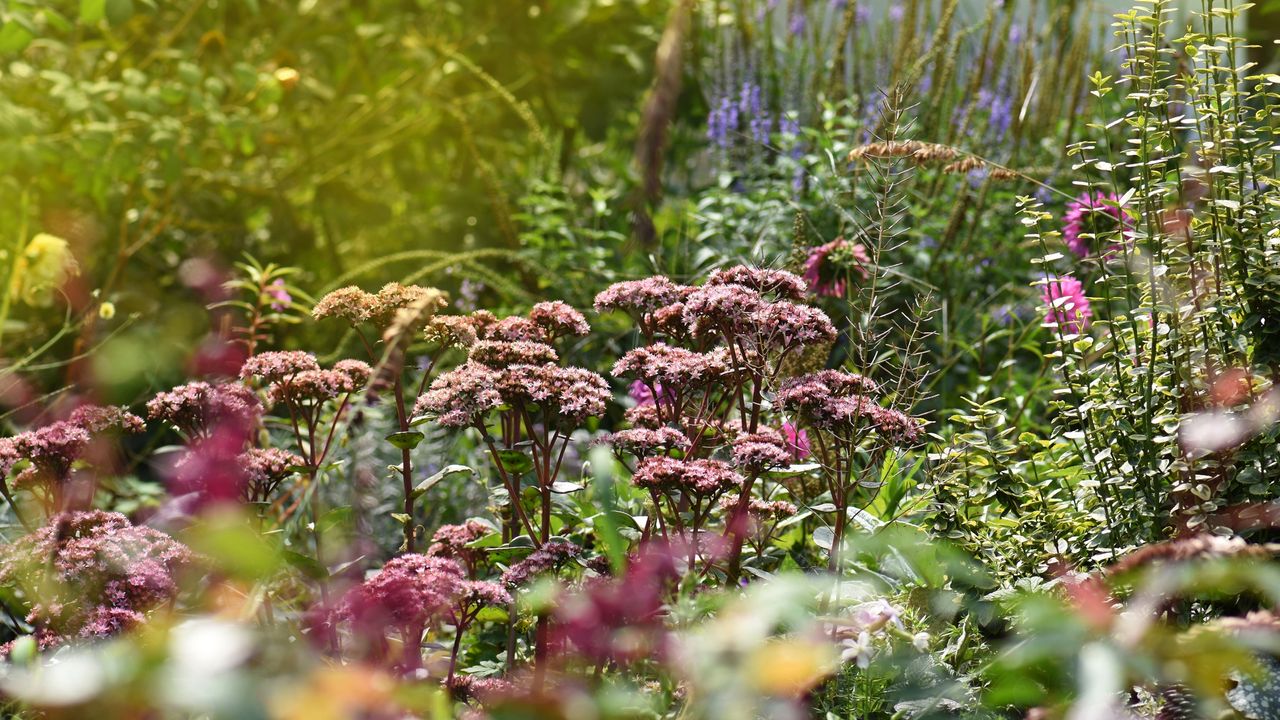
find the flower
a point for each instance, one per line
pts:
(349, 303)
(558, 319)
(1068, 306)
(279, 294)
(499, 354)
(1092, 215)
(315, 385)
(51, 449)
(725, 308)
(700, 477)
(858, 649)
(517, 329)
(638, 297)
(278, 365)
(357, 372)
(451, 541)
(797, 441)
(667, 366)
(779, 283)
(553, 554)
(461, 396)
(92, 574)
(407, 593)
(643, 442)
(96, 419)
(786, 325)
(920, 641)
(760, 451)
(264, 470)
(197, 407)
(452, 331)
(570, 395)
(828, 266)
(42, 267)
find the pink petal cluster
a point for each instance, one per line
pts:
(825, 277)
(841, 403)
(643, 442)
(499, 354)
(264, 469)
(1092, 213)
(197, 407)
(1068, 307)
(639, 297)
(278, 365)
(670, 367)
(551, 556)
(558, 319)
(724, 308)
(517, 329)
(407, 594)
(92, 574)
(96, 419)
(779, 283)
(705, 478)
(760, 451)
(457, 398)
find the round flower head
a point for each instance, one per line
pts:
(452, 331)
(897, 427)
(451, 541)
(550, 557)
(198, 407)
(96, 419)
(461, 396)
(51, 449)
(643, 442)
(757, 452)
(811, 393)
(828, 267)
(265, 469)
(761, 510)
(410, 591)
(92, 574)
(669, 320)
(778, 283)
(499, 354)
(558, 319)
(786, 326)
(517, 329)
(349, 303)
(313, 385)
(357, 372)
(723, 308)
(571, 395)
(275, 366)
(705, 478)
(8, 457)
(1092, 215)
(670, 367)
(639, 297)
(393, 298)
(1067, 304)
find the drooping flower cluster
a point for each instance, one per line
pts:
(1093, 215)
(92, 574)
(1068, 306)
(829, 267)
(264, 469)
(196, 408)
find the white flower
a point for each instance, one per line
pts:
(875, 615)
(857, 649)
(921, 641)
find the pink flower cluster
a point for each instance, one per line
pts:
(357, 306)
(53, 448)
(829, 267)
(550, 557)
(702, 478)
(1068, 306)
(760, 451)
(92, 574)
(264, 469)
(1092, 215)
(841, 403)
(196, 408)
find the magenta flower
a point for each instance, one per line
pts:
(1094, 214)
(828, 266)
(797, 441)
(1067, 304)
(280, 297)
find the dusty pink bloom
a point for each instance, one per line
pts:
(643, 416)
(723, 308)
(451, 541)
(1067, 304)
(265, 469)
(669, 320)
(96, 419)
(828, 266)
(670, 367)
(549, 558)
(465, 688)
(517, 329)
(409, 592)
(211, 469)
(761, 510)
(280, 297)
(786, 325)
(394, 297)
(620, 620)
(452, 330)
(499, 354)
(811, 393)
(779, 283)
(197, 407)
(275, 366)
(357, 371)
(92, 574)
(558, 319)
(461, 396)
(1092, 215)
(639, 297)
(315, 386)
(797, 441)
(349, 303)
(570, 394)
(478, 593)
(51, 449)
(8, 457)
(705, 478)
(757, 452)
(643, 442)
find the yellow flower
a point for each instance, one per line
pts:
(788, 667)
(43, 267)
(107, 310)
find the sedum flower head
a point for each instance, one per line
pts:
(461, 396)
(558, 319)
(704, 478)
(550, 557)
(197, 407)
(778, 283)
(639, 297)
(499, 354)
(277, 365)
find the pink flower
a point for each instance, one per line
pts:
(558, 319)
(1067, 304)
(280, 297)
(828, 266)
(797, 441)
(1094, 214)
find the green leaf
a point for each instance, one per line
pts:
(515, 462)
(824, 537)
(447, 471)
(406, 440)
(306, 564)
(14, 38)
(92, 12)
